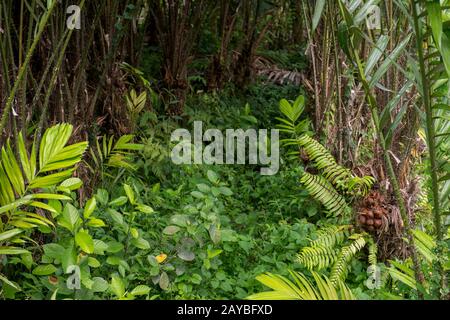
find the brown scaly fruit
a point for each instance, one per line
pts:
(372, 212)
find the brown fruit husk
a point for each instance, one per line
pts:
(362, 219)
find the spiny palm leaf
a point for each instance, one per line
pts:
(321, 190)
(403, 273)
(340, 267)
(322, 252)
(335, 248)
(339, 176)
(23, 182)
(301, 288)
(290, 124)
(135, 103)
(113, 154)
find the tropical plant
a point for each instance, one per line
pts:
(340, 177)
(432, 80)
(428, 73)
(291, 124)
(112, 153)
(27, 182)
(335, 247)
(177, 26)
(82, 256)
(335, 178)
(38, 48)
(401, 271)
(351, 35)
(301, 288)
(135, 105)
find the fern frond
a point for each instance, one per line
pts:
(322, 252)
(330, 236)
(341, 177)
(340, 268)
(318, 153)
(321, 190)
(318, 257)
(302, 289)
(114, 154)
(373, 250)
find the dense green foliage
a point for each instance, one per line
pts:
(93, 207)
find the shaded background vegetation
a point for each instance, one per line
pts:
(140, 69)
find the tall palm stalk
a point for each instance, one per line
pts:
(9, 102)
(351, 34)
(429, 76)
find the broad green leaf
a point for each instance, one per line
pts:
(320, 4)
(203, 187)
(84, 240)
(140, 290)
(144, 208)
(100, 247)
(164, 281)
(44, 270)
(89, 208)
(186, 255)
(12, 251)
(94, 263)
(70, 217)
(130, 193)
(9, 234)
(171, 230)
(117, 286)
(102, 196)
(54, 251)
(114, 247)
(213, 177)
(99, 285)
(116, 216)
(141, 243)
(96, 223)
(71, 184)
(120, 201)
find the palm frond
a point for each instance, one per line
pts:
(340, 267)
(24, 183)
(341, 177)
(301, 288)
(321, 190)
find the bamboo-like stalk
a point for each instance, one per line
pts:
(431, 132)
(53, 80)
(24, 66)
(387, 160)
(392, 176)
